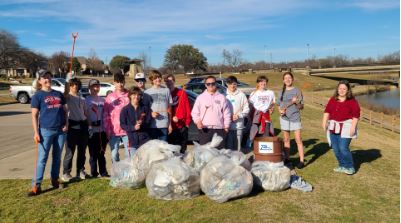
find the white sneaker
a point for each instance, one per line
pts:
(66, 177)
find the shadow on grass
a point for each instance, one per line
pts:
(317, 151)
(364, 156)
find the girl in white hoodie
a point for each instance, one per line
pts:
(239, 109)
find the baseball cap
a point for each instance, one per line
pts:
(43, 73)
(93, 82)
(139, 76)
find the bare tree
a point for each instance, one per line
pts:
(58, 62)
(94, 63)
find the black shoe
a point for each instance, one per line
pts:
(300, 165)
(105, 175)
(55, 183)
(32, 193)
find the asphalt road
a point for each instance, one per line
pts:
(17, 148)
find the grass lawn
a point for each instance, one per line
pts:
(371, 195)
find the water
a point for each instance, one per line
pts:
(389, 99)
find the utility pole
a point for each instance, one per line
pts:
(150, 57)
(265, 58)
(307, 53)
(334, 58)
(72, 54)
(271, 60)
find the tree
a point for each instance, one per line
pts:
(76, 65)
(119, 62)
(232, 59)
(185, 58)
(58, 62)
(94, 63)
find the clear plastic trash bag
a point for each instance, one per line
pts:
(222, 179)
(271, 176)
(172, 180)
(237, 157)
(125, 175)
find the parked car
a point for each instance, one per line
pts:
(244, 87)
(24, 93)
(198, 88)
(106, 89)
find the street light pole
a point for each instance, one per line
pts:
(334, 58)
(150, 57)
(271, 60)
(307, 53)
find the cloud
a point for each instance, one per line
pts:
(374, 5)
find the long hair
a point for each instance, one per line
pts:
(72, 82)
(349, 94)
(284, 87)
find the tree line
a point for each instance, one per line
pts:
(180, 58)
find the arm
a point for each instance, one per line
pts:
(35, 115)
(245, 107)
(124, 121)
(106, 117)
(324, 121)
(65, 128)
(356, 112)
(187, 109)
(226, 115)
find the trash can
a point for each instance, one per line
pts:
(268, 149)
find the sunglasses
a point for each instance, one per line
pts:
(210, 84)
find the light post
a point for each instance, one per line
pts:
(271, 60)
(334, 58)
(150, 57)
(307, 52)
(265, 58)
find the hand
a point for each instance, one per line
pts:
(65, 128)
(137, 126)
(155, 114)
(271, 110)
(294, 100)
(175, 119)
(282, 111)
(235, 117)
(226, 130)
(199, 125)
(36, 138)
(324, 125)
(170, 129)
(352, 131)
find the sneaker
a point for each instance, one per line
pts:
(105, 175)
(66, 177)
(349, 171)
(32, 193)
(82, 175)
(300, 165)
(339, 169)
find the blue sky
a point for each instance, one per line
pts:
(258, 28)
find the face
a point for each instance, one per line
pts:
(140, 83)
(287, 80)
(262, 84)
(342, 90)
(74, 88)
(135, 98)
(210, 85)
(157, 81)
(169, 83)
(95, 89)
(119, 86)
(45, 81)
(232, 86)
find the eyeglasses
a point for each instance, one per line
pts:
(141, 80)
(210, 84)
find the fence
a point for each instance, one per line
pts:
(379, 119)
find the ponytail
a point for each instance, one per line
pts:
(282, 92)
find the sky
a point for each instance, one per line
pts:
(268, 30)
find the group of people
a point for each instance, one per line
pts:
(135, 115)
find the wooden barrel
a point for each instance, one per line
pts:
(268, 149)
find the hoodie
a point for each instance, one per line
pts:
(113, 105)
(239, 106)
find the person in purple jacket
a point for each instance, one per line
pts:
(211, 113)
(135, 120)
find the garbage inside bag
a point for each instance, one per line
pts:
(296, 182)
(125, 175)
(271, 176)
(237, 157)
(200, 155)
(172, 180)
(132, 173)
(221, 179)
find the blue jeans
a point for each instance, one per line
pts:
(49, 138)
(160, 134)
(114, 146)
(341, 150)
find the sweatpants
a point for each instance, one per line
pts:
(206, 135)
(179, 137)
(76, 138)
(97, 147)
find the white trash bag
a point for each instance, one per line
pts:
(125, 175)
(237, 157)
(172, 180)
(271, 176)
(200, 155)
(134, 174)
(222, 179)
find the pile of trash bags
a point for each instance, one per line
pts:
(220, 174)
(131, 173)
